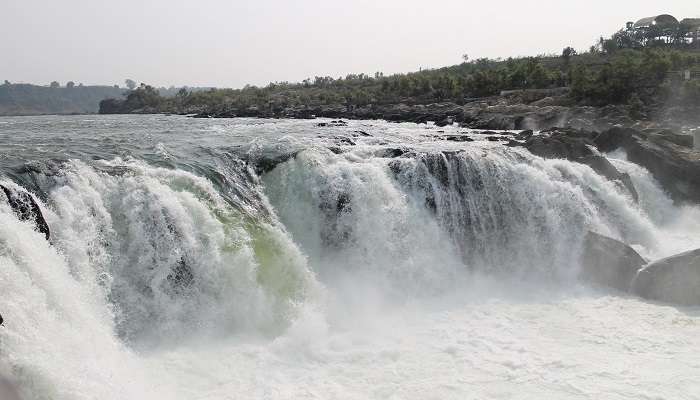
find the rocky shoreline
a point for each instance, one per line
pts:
(514, 111)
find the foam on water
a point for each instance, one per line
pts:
(443, 273)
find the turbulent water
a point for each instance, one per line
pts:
(234, 259)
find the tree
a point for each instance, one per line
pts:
(7, 82)
(55, 85)
(130, 83)
(567, 53)
(465, 57)
(70, 84)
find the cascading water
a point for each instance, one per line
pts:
(343, 270)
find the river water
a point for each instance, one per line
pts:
(278, 259)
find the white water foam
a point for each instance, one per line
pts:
(414, 306)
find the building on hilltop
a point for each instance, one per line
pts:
(665, 28)
(691, 28)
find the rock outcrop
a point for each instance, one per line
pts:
(668, 156)
(577, 146)
(674, 280)
(26, 208)
(609, 262)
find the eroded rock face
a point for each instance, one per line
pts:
(666, 155)
(674, 279)
(609, 262)
(577, 146)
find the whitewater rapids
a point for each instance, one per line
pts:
(346, 270)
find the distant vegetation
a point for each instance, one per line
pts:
(642, 65)
(642, 76)
(26, 99)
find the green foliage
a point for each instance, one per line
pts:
(626, 74)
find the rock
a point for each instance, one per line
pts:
(26, 209)
(202, 115)
(609, 262)
(458, 138)
(673, 164)
(524, 135)
(392, 152)
(265, 163)
(576, 146)
(674, 279)
(445, 122)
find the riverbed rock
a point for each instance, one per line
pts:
(609, 262)
(674, 280)
(26, 208)
(575, 145)
(666, 155)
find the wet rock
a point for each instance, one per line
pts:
(202, 115)
(335, 150)
(264, 163)
(345, 141)
(181, 275)
(577, 146)
(674, 279)
(458, 138)
(392, 152)
(333, 123)
(26, 208)
(609, 262)
(673, 164)
(524, 135)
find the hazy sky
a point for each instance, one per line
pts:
(233, 42)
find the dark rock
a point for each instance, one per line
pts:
(345, 141)
(444, 122)
(675, 166)
(363, 133)
(524, 135)
(26, 209)
(392, 152)
(267, 162)
(335, 150)
(181, 275)
(513, 143)
(609, 262)
(458, 138)
(674, 279)
(576, 146)
(201, 115)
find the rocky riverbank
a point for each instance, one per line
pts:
(515, 111)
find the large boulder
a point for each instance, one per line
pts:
(609, 262)
(577, 146)
(666, 155)
(674, 279)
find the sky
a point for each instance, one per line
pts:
(232, 43)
